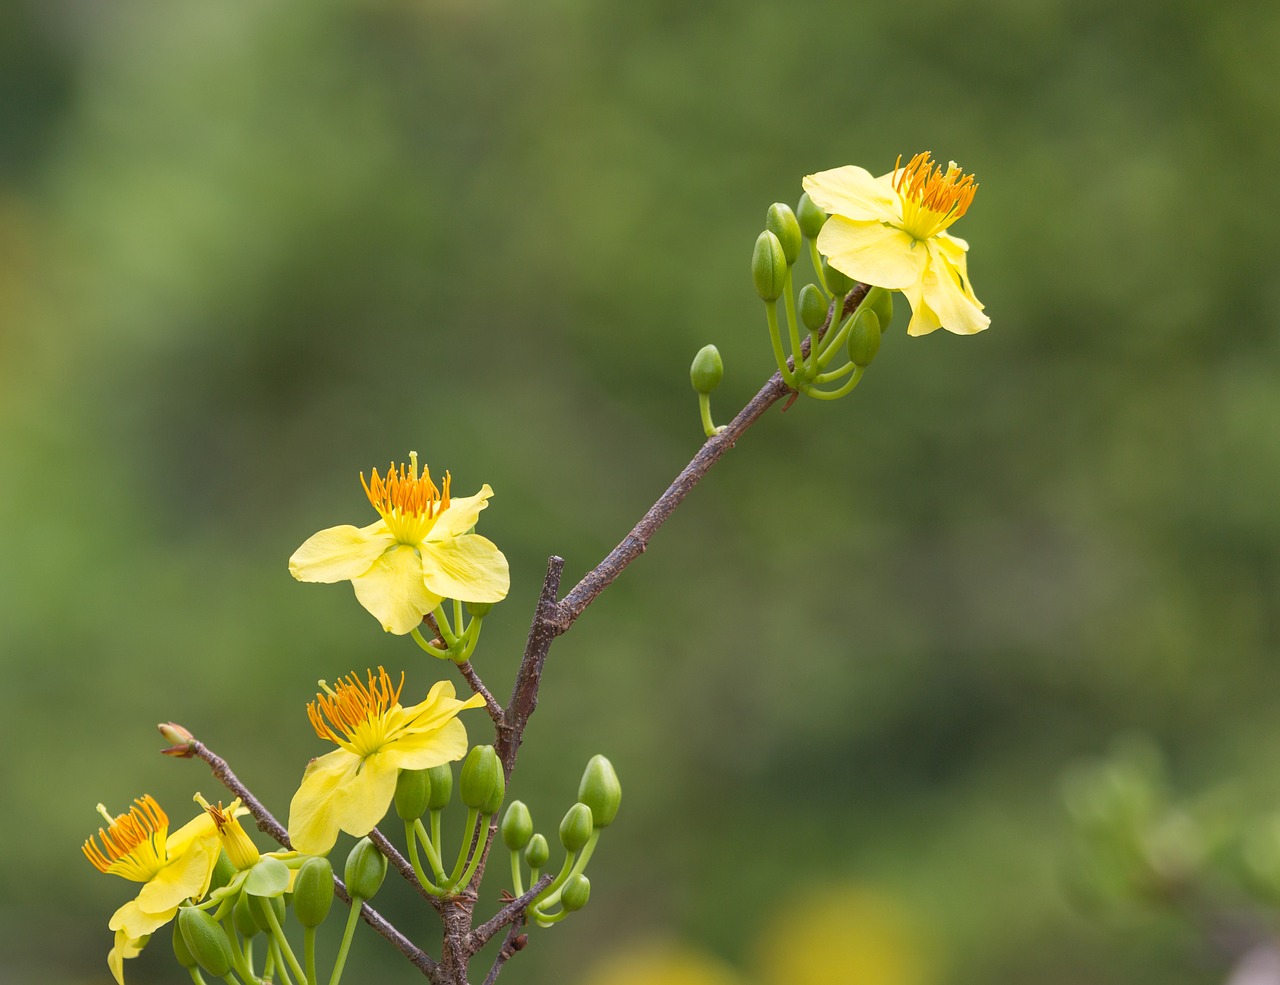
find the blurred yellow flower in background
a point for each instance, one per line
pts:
(351, 788)
(890, 232)
(418, 553)
(843, 934)
(662, 963)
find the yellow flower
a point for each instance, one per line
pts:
(891, 232)
(173, 868)
(419, 552)
(352, 787)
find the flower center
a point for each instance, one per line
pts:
(408, 503)
(932, 199)
(356, 712)
(133, 843)
(239, 848)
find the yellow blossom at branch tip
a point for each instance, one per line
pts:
(891, 232)
(351, 788)
(419, 552)
(172, 868)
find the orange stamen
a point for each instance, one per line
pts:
(351, 703)
(924, 185)
(145, 822)
(404, 493)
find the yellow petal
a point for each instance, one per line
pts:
(460, 516)
(313, 825)
(393, 590)
(944, 292)
(923, 318)
(469, 568)
(953, 250)
(339, 791)
(137, 923)
(185, 877)
(340, 553)
(199, 827)
(852, 192)
(872, 252)
(125, 947)
(422, 750)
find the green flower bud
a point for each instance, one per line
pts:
(413, 790)
(517, 826)
(366, 868)
(538, 852)
(781, 221)
(223, 870)
(813, 307)
(575, 892)
(575, 829)
(864, 339)
(245, 923)
(313, 891)
(441, 787)
(257, 907)
(810, 217)
(480, 774)
(494, 803)
(768, 267)
(600, 790)
(180, 949)
(837, 282)
(880, 300)
(707, 369)
(205, 941)
(478, 610)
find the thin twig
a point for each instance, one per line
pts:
(524, 693)
(509, 913)
(491, 705)
(267, 823)
(401, 865)
(513, 942)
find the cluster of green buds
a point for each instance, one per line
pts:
(599, 796)
(252, 896)
(455, 640)
(829, 334)
(426, 793)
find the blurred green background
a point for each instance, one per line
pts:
(248, 250)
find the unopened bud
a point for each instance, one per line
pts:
(575, 829)
(481, 773)
(313, 891)
(223, 871)
(243, 918)
(864, 339)
(600, 790)
(180, 949)
(538, 851)
(179, 739)
(813, 307)
(257, 907)
(413, 790)
(366, 868)
(781, 221)
(810, 217)
(478, 610)
(517, 826)
(441, 787)
(494, 803)
(768, 267)
(575, 892)
(205, 941)
(707, 370)
(838, 282)
(880, 300)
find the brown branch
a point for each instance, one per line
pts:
(524, 693)
(267, 823)
(634, 543)
(513, 942)
(401, 865)
(508, 914)
(490, 703)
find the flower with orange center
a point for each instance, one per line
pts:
(891, 232)
(351, 788)
(172, 867)
(419, 552)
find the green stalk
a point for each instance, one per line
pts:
(282, 942)
(771, 314)
(347, 934)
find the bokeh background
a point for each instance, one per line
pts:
(248, 250)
